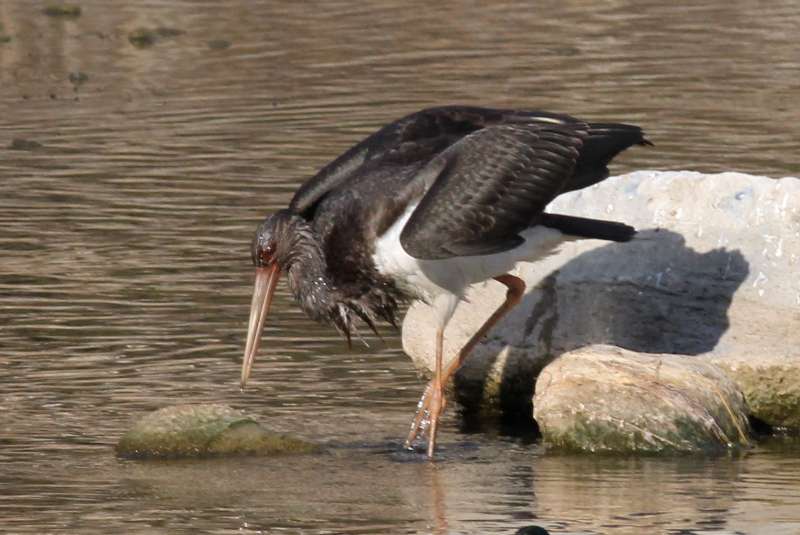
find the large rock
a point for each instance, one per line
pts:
(603, 398)
(713, 271)
(771, 384)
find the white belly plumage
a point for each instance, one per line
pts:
(442, 283)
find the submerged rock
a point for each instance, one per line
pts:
(24, 144)
(713, 271)
(63, 11)
(603, 398)
(204, 430)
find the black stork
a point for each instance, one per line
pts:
(424, 207)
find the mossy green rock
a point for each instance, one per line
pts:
(770, 383)
(204, 430)
(607, 399)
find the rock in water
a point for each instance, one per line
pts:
(203, 430)
(713, 271)
(603, 398)
(770, 383)
(62, 11)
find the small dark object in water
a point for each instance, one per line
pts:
(219, 44)
(24, 144)
(62, 10)
(145, 37)
(142, 38)
(532, 530)
(78, 78)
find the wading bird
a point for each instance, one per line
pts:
(424, 207)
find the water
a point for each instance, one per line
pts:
(125, 276)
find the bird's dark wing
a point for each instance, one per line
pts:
(489, 186)
(415, 138)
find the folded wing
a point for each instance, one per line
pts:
(482, 191)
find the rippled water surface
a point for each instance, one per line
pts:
(125, 274)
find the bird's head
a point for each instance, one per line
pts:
(271, 251)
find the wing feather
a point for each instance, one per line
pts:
(491, 185)
(417, 137)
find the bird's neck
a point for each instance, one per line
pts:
(321, 298)
(307, 272)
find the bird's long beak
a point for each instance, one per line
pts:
(266, 281)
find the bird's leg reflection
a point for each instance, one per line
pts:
(438, 500)
(425, 411)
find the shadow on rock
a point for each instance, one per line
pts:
(653, 294)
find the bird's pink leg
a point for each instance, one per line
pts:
(437, 394)
(516, 289)
(422, 418)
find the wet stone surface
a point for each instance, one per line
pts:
(607, 399)
(204, 430)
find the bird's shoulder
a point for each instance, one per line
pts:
(374, 198)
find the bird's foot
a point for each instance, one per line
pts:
(417, 439)
(422, 419)
(421, 424)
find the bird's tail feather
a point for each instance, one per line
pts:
(604, 142)
(584, 227)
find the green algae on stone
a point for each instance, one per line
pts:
(204, 430)
(606, 399)
(770, 383)
(68, 11)
(4, 38)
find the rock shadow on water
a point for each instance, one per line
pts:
(652, 295)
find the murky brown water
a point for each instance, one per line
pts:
(125, 272)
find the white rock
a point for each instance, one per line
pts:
(713, 271)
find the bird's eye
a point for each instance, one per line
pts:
(266, 253)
